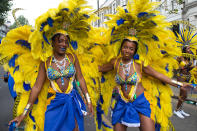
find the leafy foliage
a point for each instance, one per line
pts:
(5, 6)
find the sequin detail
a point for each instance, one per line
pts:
(67, 73)
(132, 80)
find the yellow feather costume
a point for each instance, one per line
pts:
(24, 48)
(142, 21)
(19, 62)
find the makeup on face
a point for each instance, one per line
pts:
(128, 49)
(61, 43)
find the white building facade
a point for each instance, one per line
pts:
(189, 12)
(174, 10)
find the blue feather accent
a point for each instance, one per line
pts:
(146, 48)
(101, 99)
(0, 41)
(74, 45)
(45, 38)
(141, 14)
(136, 57)
(50, 22)
(16, 69)
(87, 16)
(179, 42)
(32, 118)
(182, 35)
(112, 30)
(36, 102)
(126, 11)
(43, 25)
(66, 9)
(34, 127)
(111, 42)
(166, 68)
(11, 63)
(120, 21)
(193, 36)
(94, 81)
(26, 87)
(158, 102)
(154, 23)
(99, 113)
(24, 43)
(157, 127)
(163, 52)
(102, 79)
(155, 38)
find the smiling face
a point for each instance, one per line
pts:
(188, 50)
(60, 44)
(128, 49)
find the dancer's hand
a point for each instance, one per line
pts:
(18, 120)
(186, 86)
(90, 108)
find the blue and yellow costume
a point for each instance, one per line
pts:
(140, 21)
(63, 107)
(24, 48)
(126, 110)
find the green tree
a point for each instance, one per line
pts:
(21, 20)
(5, 6)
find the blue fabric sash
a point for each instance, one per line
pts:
(129, 112)
(63, 111)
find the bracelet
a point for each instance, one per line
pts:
(176, 82)
(26, 109)
(88, 98)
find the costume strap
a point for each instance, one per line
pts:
(56, 88)
(115, 65)
(73, 57)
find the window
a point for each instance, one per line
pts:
(114, 8)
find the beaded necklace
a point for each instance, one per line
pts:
(126, 70)
(61, 66)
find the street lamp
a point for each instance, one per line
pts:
(98, 12)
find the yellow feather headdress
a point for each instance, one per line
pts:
(72, 16)
(142, 21)
(187, 37)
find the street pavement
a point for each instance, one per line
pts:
(6, 104)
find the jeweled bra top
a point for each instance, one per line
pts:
(67, 73)
(131, 80)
